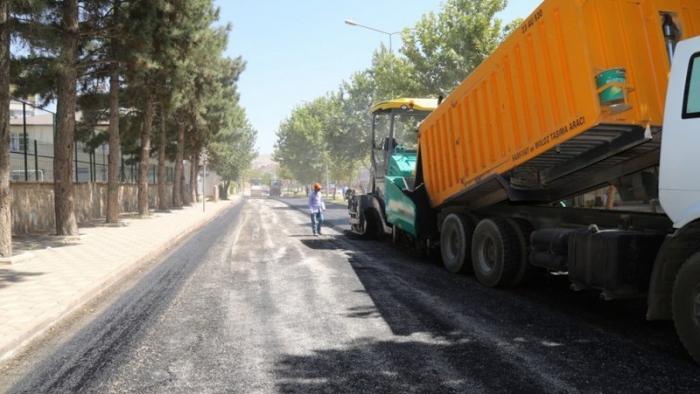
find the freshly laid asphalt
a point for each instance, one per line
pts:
(49, 277)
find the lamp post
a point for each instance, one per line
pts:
(391, 53)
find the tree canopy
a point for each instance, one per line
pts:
(147, 67)
(438, 53)
(157, 68)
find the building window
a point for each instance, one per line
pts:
(16, 142)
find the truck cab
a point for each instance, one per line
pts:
(679, 186)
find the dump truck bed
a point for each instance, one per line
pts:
(571, 100)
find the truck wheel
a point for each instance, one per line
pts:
(370, 225)
(496, 253)
(523, 229)
(686, 305)
(455, 242)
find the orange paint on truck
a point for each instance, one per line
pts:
(538, 88)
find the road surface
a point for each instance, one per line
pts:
(255, 304)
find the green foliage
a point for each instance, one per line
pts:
(170, 49)
(443, 49)
(300, 145)
(438, 53)
(233, 148)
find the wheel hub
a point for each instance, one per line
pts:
(487, 255)
(454, 245)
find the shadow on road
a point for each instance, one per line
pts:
(455, 335)
(401, 367)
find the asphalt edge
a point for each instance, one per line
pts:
(46, 321)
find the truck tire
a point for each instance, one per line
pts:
(686, 305)
(371, 225)
(455, 242)
(496, 253)
(523, 229)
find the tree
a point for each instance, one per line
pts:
(438, 54)
(174, 46)
(191, 20)
(115, 52)
(300, 145)
(145, 36)
(213, 92)
(66, 83)
(5, 193)
(233, 150)
(104, 62)
(51, 68)
(350, 140)
(178, 187)
(442, 50)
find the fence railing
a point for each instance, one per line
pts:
(32, 159)
(36, 164)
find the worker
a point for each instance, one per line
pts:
(316, 208)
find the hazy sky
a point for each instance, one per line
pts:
(299, 50)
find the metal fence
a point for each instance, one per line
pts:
(35, 163)
(32, 159)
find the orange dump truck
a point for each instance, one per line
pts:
(574, 94)
(568, 150)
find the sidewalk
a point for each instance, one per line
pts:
(49, 277)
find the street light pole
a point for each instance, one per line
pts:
(391, 52)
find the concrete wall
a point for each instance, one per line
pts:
(33, 203)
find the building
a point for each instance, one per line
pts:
(31, 154)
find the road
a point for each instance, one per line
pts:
(255, 304)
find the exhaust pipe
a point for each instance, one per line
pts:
(671, 35)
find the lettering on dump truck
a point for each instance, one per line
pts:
(572, 125)
(551, 137)
(530, 22)
(521, 153)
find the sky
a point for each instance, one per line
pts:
(297, 51)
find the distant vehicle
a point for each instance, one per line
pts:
(256, 189)
(275, 187)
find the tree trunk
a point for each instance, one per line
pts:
(193, 175)
(113, 161)
(224, 190)
(162, 199)
(64, 206)
(185, 191)
(145, 155)
(179, 157)
(5, 193)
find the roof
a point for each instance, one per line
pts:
(47, 120)
(420, 104)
